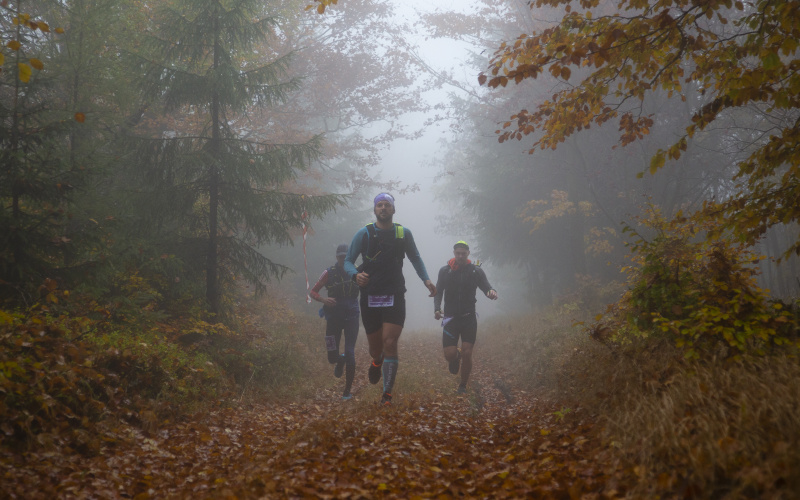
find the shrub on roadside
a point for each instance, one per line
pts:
(717, 427)
(60, 377)
(70, 367)
(701, 293)
(277, 352)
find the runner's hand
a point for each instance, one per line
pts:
(492, 294)
(362, 279)
(330, 302)
(438, 314)
(431, 288)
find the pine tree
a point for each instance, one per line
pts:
(36, 177)
(211, 189)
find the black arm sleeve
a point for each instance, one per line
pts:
(483, 281)
(440, 282)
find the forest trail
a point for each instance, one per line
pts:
(496, 441)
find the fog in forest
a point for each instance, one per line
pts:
(176, 174)
(414, 162)
(190, 160)
(544, 223)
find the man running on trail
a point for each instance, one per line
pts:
(341, 312)
(458, 281)
(383, 245)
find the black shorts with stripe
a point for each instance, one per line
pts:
(461, 327)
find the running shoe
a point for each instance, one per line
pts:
(462, 389)
(347, 397)
(454, 365)
(386, 399)
(339, 369)
(374, 373)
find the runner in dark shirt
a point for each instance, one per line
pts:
(383, 245)
(340, 309)
(458, 282)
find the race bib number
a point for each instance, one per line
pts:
(330, 342)
(380, 300)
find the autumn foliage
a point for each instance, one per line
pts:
(700, 293)
(93, 426)
(179, 407)
(22, 40)
(63, 376)
(72, 368)
(673, 427)
(726, 55)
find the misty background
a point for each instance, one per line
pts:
(413, 162)
(544, 224)
(176, 165)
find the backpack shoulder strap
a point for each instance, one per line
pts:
(331, 277)
(400, 241)
(399, 236)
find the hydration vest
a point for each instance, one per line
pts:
(459, 289)
(383, 259)
(372, 250)
(339, 285)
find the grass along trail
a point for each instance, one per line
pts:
(496, 441)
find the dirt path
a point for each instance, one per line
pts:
(496, 441)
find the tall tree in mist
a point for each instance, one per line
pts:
(94, 83)
(218, 186)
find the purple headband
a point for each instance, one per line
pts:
(383, 197)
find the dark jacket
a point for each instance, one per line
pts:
(458, 287)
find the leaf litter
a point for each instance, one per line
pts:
(496, 441)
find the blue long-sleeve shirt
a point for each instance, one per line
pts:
(357, 248)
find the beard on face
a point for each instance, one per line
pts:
(384, 214)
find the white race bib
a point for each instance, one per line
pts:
(380, 300)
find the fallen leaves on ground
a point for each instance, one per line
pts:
(495, 441)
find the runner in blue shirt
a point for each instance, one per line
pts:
(383, 245)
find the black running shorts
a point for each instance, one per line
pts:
(463, 327)
(374, 317)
